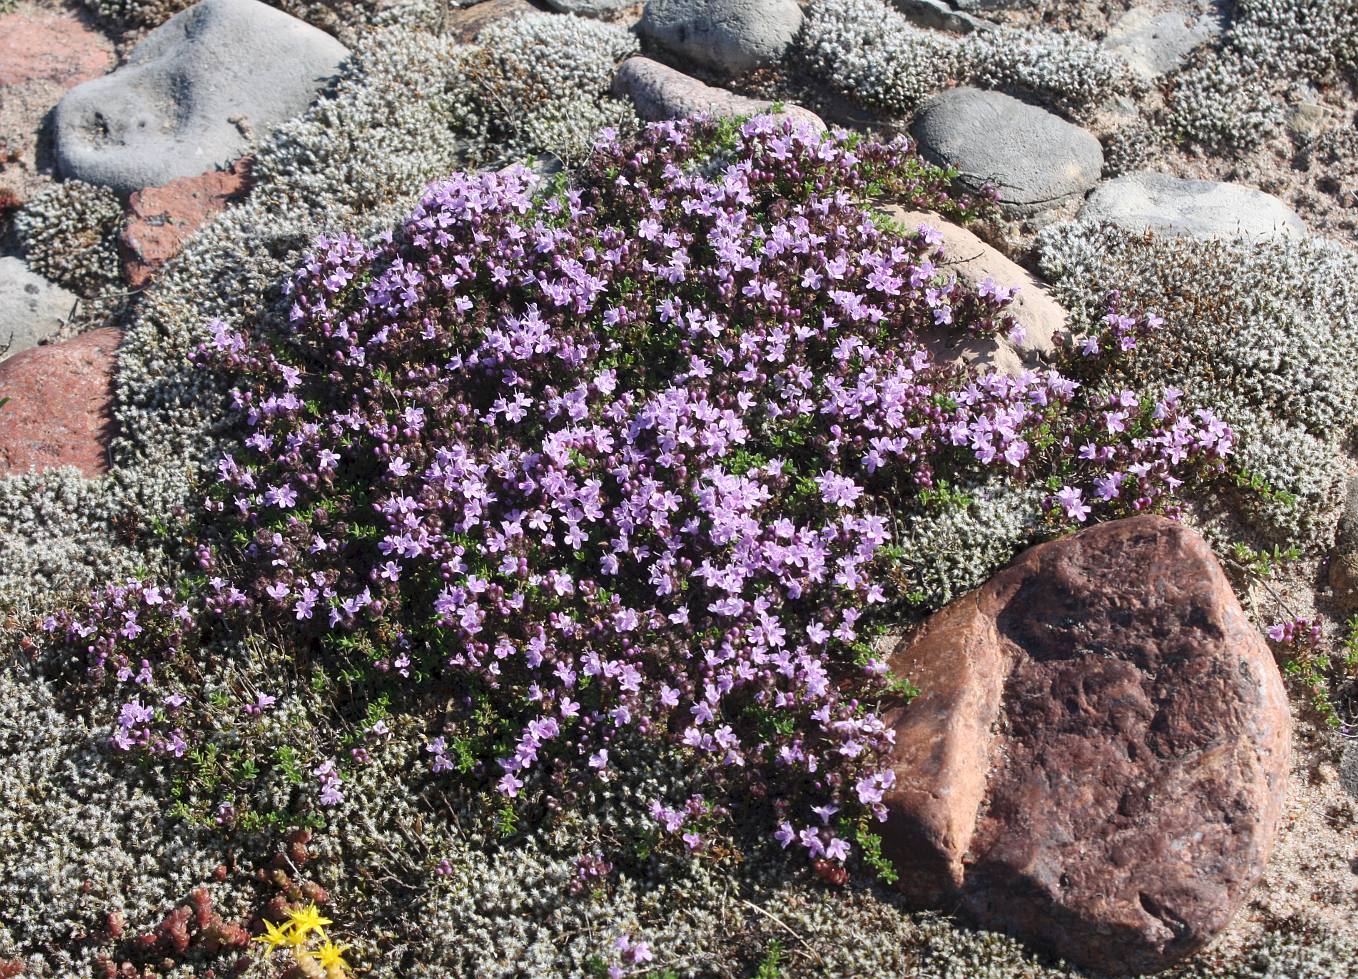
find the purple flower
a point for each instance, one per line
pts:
(1072, 501)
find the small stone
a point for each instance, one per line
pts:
(1097, 759)
(941, 17)
(590, 8)
(660, 92)
(32, 309)
(160, 219)
(1042, 318)
(1308, 119)
(1168, 205)
(1348, 767)
(1036, 160)
(465, 23)
(193, 95)
(1344, 557)
(1155, 42)
(58, 405)
(728, 37)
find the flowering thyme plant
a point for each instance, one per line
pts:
(614, 459)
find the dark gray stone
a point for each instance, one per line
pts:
(1036, 160)
(193, 94)
(941, 17)
(727, 37)
(589, 8)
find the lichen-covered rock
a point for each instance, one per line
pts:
(160, 219)
(192, 95)
(1041, 319)
(1171, 205)
(31, 308)
(1097, 759)
(1155, 42)
(660, 92)
(1035, 159)
(57, 405)
(728, 37)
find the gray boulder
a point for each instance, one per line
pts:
(727, 37)
(1155, 42)
(1190, 208)
(31, 308)
(192, 95)
(1035, 159)
(660, 92)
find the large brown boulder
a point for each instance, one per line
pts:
(57, 405)
(1097, 759)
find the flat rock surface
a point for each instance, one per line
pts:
(59, 407)
(1041, 318)
(1097, 760)
(32, 309)
(727, 37)
(1156, 41)
(658, 91)
(1191, 208)
(43, 53)
(193, 94)
(1035, 159)
(160, 219)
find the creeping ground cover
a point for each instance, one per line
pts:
(562, 477)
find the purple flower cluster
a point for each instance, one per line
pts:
(611, 459)
(1296, 632)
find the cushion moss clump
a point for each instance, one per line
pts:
(1266, 333)
(1231, 98)
(872, 53)
(68, 232)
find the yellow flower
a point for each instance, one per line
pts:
(331, 956)
(276, 935)
(306, 920)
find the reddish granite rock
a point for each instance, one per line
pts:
(42, 54)
(58, 411)
(1097, 760)
(160, 219)
(53, 46)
